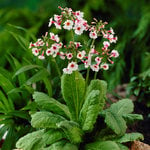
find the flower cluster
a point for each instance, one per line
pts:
(95, 58)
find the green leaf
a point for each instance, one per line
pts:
(26, 68)
(45, 120)
(72, 131)
(28, 141)
(50, 104)
(116, 123)
(40, 75)
(124, 106)
(73, 88)
(62, 145)
(122, 147)
(51, 136)
(90, 110)
(104, 145)
(132, 117)
(130, 137)
(10, 139)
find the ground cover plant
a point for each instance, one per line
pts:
(79, 110)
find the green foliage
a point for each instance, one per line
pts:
(104, 145)
(130, 137)
(114, 116)
(72, 131)
(50, 104)
(61, 131)
(45, 120)
(73, 88)
(140, 86)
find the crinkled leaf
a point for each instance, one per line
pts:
(130, 137)
(45, 120)
(132, 117)
(28, 141)
(124, 106)
(104, 145)
(62, 145)
(90, 110)
(116, 123)
(50, 104)
(73, 88)
(71, 130)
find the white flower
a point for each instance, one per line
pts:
(57, 25)
(79, 14)
(68, 25)
(54, 48)
(98, 60)
(77, 44)
(79, 29)
(73, 66)
(106, 44)
(50, 22)
(67, 71)
(81, 54)
(41, 57)
(112, 31)
(35, 51)
(105, 66)
(54, 37)
(114, 53)
(62, 55)
(49, 52)
(57, 18)
(93, 35)
(69, 56)
(95, 67)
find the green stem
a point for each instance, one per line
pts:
(95, 75)
(87, 78)
(57, 68)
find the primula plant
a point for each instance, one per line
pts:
(79, 121)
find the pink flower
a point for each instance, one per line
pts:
(95, 67)
(35, 51)
(93, 35)
(106, 44)
(54, 37)
(67, 71)
(68, 25)
(79, 29)
(77, 44)
(81, 54)
(73, 66)
(105, 66)
(69, 56)
(79, 14)
(49, 52)
(98, 60)
(50, 22)
(114, 53)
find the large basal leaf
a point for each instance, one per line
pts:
(45, 120)
(51, 136)
(38, 140)
(62, 145)
(50, 104)
(71, 130)
(124, 106)
(28, 141)
(122, 147)
(116, 123)
(90, 110)
(73, 89)
(104, 145)
(130, 137)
